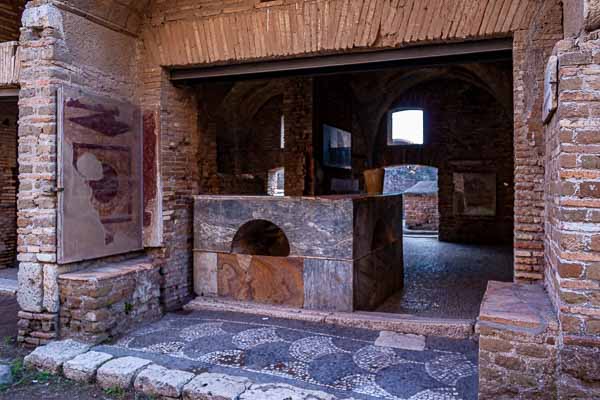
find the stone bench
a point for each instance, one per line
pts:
(106, 301)
(517, 330)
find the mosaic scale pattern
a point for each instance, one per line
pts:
(344, 362)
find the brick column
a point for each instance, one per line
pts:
(532, 47)
(298, 112)
(41, 42)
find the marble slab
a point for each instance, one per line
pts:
(328, 285)
(378, 276)
(273, 280)
(314, 227)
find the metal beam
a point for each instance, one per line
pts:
(428, 54)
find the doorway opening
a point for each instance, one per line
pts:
(439, 135)
(9, 114)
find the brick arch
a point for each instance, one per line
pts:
(10, 15)
(124, 15)
(404, 93)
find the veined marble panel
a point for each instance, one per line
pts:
(273, 280)
(378, 276)
(314, 227)
(328, 285)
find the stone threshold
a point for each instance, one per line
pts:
(400, 323)
(77, 362)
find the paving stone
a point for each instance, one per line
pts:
(215, 387)
(160, 381)
(83, 367)
(120, 372)
(282, 391)
(6, 377)
(400, 341)
(52, 356)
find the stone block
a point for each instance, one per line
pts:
(30, 293)
(120, 372)
(162, 382)
(52, 356)
(282, 391)
(215, 387)
(401, 341)
(83, 367)
(205, 274)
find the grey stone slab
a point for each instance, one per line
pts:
(120, 372)
(400, 341)
(160, 381)
(205, 274)
(210, 386)
(83, 367)
(52, 356)
(314, 227)
(6, 377)
(328, 285)
(282, 391)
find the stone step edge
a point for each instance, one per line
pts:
(78, 362)
(400, 323)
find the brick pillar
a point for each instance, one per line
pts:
(41, 41)
(532, 47)
(573, 216)
(298, 162)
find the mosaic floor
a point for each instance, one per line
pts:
(344, 362)
(447, 280)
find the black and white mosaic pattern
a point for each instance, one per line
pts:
(341, 361)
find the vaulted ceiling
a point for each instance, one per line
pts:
(10, 19)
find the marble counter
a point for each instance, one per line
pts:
(337, 253)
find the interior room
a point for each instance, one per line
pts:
(440, 135)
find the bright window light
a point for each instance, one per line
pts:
(407, 127)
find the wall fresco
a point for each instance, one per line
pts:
(100, 183)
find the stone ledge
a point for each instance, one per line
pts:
(517, 343)
(110, 271)
(157, 381)
(401, 323)
(511, 305)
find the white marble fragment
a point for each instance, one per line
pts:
(52, 356)
(120, 372)
(159, 381)
(210, 386)
(83, 367)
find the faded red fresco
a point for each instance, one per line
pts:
(150, 139)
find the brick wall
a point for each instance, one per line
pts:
(532, 45)
(103, 303)
(421, 212)
(8, 184)
(467, 130)
(572, 249)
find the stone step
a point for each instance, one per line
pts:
(401, 323)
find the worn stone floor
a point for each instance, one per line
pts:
(447, 280)
(344, 362)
